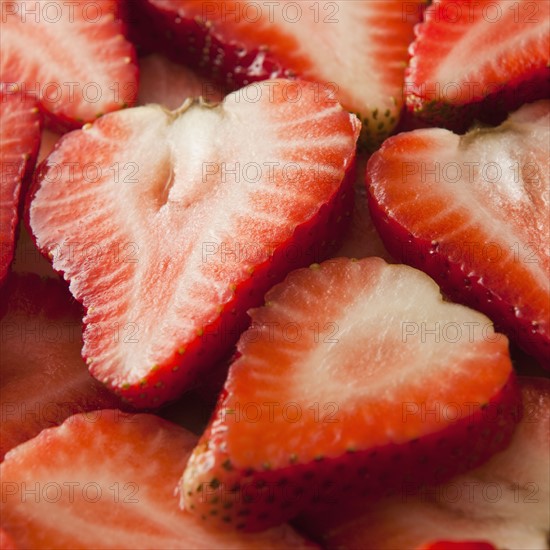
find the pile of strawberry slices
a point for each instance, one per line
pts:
(275, 274)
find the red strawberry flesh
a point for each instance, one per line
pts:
(19, 141)
(504, 502)
(209, 208)
(478, 59)
(472, 212)
(356, 50)
(325, 401)
(72, 57)
(43, 377)
(107, 481)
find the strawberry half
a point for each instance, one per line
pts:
(19, 142)
(328, 398)
(43, 377)
(107, 481)
(478, 59)
(170, 84)
(72, 57)
(354, 50)
(472, 212)
(186, 219)
(505, 502)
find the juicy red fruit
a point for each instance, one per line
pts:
(71, 57)
(327, 399)
(355, 50)
(504, 503)
(43, 377)
(210, 207)
(106, 481)
(475, 218)
(478, 59)
(19, 142)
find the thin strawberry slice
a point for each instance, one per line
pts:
(328, 398)
(356, 50)
(361, 239)
(19, 142)
(170, 84)
(505, 502)
(107, 481)
(188, 219)
(71, 56)
(478, 59)
(472, 212)
(43, 377)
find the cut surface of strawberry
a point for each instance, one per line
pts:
(43, 377)
(505, 502)
(356, 50)
(107, 481)
(472, 212)
(170, 84)
(188, 218)
(329, 396)
(19, 142)
(72, 57)
(478, 59)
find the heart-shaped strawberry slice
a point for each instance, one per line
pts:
(472, 212)
(170, 225)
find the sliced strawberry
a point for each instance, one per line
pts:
(478, 59)
(19, 142)
(43, 377)
(107, 481)
(328, 399)
(472, 212)
(355, 50)
(170, 84)
(361, 239)
(71, 56)
(505, 502)
(188, 219)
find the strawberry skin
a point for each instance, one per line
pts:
(19, 142)
(320, 407)
(107, 481)
(194, 228)
(478, 59)
(478, 228)
(71, 57)
(355, 50)
(43, 377)
(505, 502)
